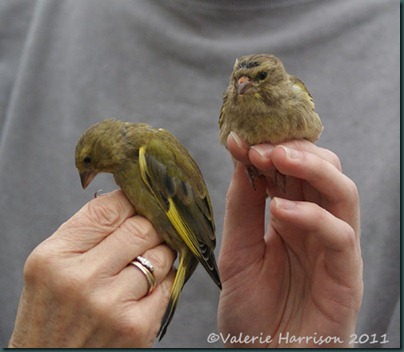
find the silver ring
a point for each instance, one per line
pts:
(151, 280)
(145, 262)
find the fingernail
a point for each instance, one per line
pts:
(236, 139)
(284, 204)
(291, 153)
(264, 150)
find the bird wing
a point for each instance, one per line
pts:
(300, 85)
(221, 116)
(177, 184)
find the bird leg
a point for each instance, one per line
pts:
(252, 174)
(280, 180)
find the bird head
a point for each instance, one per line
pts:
(257, 76)
(100, 149)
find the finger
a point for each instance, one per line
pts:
(149, 311)
(238, 148)
(306, 227)
(339, 191)
(130, 321)
(260, 154)
(244, 222)
(133, 237)
(94, 221)
(132, 283)
(309, 147)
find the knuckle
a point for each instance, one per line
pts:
(159, 261)
(43, 268)
(102, 213)
(349, 195)
(334, 159)
(137, 228)
(348, 237)
(352, 190)
(36, 265)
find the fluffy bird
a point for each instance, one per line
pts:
(264, 104)
(164, 184)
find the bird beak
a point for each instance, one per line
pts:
(86, 177)
(245, 86)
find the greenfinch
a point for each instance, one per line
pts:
(264, 104)
(164, 184)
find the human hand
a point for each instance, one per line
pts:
(301, 276)
(79, 290)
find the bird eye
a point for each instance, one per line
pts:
(262, 75)
(87, 160)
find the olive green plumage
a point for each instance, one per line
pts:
(263, 103)
(163, 183)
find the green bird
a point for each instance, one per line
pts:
(264, 104)
(164, 184)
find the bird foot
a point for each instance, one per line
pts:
(280, 180)
(252, 174)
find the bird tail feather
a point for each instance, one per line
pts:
(186, 267)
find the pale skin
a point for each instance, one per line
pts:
(79, 290)
(303, 275)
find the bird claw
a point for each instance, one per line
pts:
(280, 180)
(252, 174)
(96, 194)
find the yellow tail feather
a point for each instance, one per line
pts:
(175, 294)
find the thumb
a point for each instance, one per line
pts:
(244, 223)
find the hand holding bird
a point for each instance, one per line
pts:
(264, 104)
(297, 268)
(163, 183)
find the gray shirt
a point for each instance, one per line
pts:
(67, 64)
